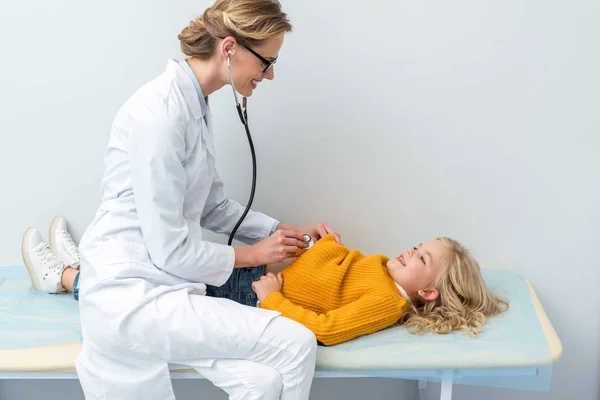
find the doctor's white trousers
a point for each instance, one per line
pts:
(280, 366)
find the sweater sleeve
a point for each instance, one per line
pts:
(370, 313)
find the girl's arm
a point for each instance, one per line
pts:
(370, 313)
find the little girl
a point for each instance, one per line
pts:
(340, 294)
(337, 293)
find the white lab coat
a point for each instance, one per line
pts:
(144, 262)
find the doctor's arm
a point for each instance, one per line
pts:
(159, 181)
(222, 213)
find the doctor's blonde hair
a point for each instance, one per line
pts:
(250, 22)
(464, 301)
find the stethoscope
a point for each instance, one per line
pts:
(243, 113)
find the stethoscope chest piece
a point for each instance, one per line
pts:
(308, 239)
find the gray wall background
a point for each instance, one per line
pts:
(394, 122)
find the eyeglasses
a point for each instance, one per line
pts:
(268, 64)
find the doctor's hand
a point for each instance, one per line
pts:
(267, 284)
(316, 232)
(283, 243)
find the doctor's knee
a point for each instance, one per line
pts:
(307, 340)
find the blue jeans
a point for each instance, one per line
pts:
(237, 288)
(76, 287)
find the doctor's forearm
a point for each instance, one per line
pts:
(284, 226)
(245, 257)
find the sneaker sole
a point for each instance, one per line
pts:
(28, 264)
(51, 233)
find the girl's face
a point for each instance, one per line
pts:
(416, 268)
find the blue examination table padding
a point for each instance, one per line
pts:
(40, 337)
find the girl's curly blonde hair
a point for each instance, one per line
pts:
(464, 300)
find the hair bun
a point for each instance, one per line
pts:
(250, 21)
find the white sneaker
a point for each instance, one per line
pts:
(61, 242)
(44, 267)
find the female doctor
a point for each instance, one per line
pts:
(144, 263)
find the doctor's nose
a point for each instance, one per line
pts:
(270, 74)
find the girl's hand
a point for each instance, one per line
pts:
(267, 284)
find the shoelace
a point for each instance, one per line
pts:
(69, 242)
(48, 258)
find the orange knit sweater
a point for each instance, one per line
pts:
(337, 293)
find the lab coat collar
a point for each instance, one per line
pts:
(190, 87)
(192, 92)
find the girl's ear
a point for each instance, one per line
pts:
(428, 294)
